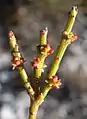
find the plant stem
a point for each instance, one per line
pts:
(71, 19)
(25, 80)
(33, 110)
(43, 41)
(16, 53)
(58, 57)
(37, 102)
(38, 71)
(37, 96)
(63, 43)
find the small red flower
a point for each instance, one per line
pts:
(54, 81)
(75, 37)
(54, 78)
(37, 59)
(48, 49)
(16, 58)
(17, 61)
(35, 62)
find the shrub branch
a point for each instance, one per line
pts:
(44, 49)
(18, 61)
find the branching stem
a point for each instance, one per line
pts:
(38, 96)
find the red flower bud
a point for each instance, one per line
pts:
(16, 58)
(75, 37)
(50, 51)
(55, 81)
(54, 78)
(34, 64)
(17, 61)
(10, 33)
(37, 59)
(48, 47)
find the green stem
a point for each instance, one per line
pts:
(16, 53)
(64, 42)
(43, 41)
(33, 110)
(46, 88)
(26, 82)
(43, 36)
(38, 71)
(58, 57)
(71, 19)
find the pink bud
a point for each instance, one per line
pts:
(50, 51)
(37, 59)
(10, 33)
(75, 37)
(34, 64)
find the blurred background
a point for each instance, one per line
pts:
(26, 18)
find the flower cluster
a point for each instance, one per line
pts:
(17, 61)
(46, 49)
(35, 62)
(54, 81)
(69, 36)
